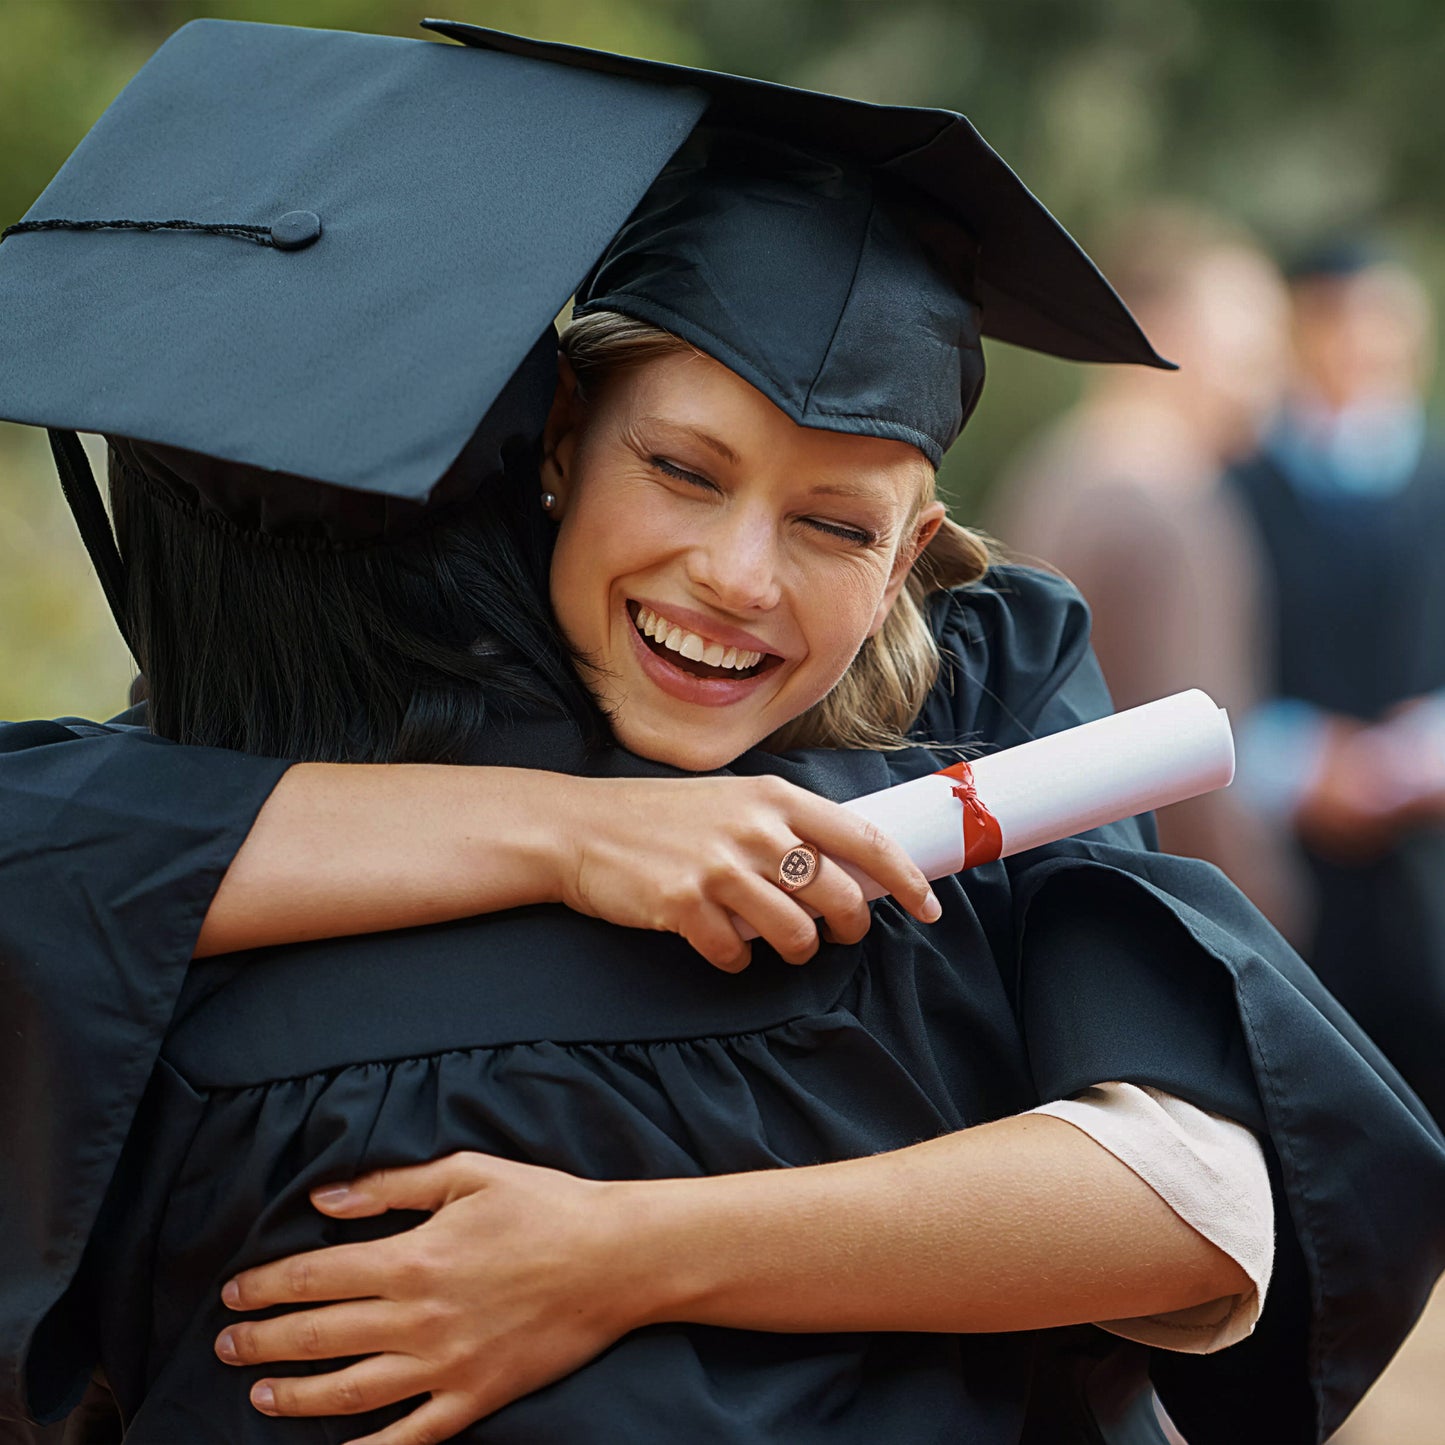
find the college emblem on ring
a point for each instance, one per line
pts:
(798, 868)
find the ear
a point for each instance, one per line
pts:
(559, 436)
(925, 528)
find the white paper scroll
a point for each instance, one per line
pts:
(1066, 783)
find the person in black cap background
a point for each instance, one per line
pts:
(1347, 493)
(1037, 678)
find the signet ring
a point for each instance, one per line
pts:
(798, 868)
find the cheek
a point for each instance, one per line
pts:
(579, 577)
(598, 541)
(835, 614)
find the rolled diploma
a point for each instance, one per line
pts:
(1056, 786)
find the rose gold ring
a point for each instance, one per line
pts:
(798, 868)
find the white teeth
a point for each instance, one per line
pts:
(690, 645)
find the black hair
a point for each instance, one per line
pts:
(399, 652)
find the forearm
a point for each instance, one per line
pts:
(341, 850)
(1022, 1224)
(356, 849)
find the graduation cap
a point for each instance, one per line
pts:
(288, 257)
(843, 257)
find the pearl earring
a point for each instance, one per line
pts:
(549, 500)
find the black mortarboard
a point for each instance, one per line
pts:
(296, 254)
(844, 257)
(1337, 259)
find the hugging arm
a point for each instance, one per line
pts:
(523, 1274)
(341, 850)
(314, 850)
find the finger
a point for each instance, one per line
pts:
(361, 1327)
(780, 921)
(834, 901)
(442, 1417)
(714, 935)
(423, 1187)
(345, 1271)
(367, 1385)
(846, 837)
(837, 898)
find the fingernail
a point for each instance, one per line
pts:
(263, 1397)
(226, 1347)
(932, 909)
(333, 1194)
(231, 1294)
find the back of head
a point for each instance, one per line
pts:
(299, 646)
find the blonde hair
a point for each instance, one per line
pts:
(879, 697)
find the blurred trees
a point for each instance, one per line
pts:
(1295, 116)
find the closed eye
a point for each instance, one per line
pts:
(671, 469)
(855, 535)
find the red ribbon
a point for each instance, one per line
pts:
(982, 836)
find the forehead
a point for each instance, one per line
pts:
(696, 398)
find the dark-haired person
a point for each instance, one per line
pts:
(707, 494)
(1346, 754)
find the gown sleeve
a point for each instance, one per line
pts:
(1136, 966)
(1212, 1173)
(112, 845)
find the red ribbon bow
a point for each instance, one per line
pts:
(982, 836)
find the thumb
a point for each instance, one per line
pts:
(423, 1187)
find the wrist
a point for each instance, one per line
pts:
(564, 819)
(517, 835)
(656, 1239)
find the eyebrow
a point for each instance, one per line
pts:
(846, 489)
(708, 440)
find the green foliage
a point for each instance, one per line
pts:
(1294, 116)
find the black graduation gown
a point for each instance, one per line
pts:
(1358, 625)
(545, 1036)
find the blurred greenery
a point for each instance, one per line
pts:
(1297, 117)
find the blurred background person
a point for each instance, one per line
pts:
(1125, 495)
(1348, 497)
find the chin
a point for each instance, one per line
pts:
(693, 750)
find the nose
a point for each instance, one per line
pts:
(736, 561)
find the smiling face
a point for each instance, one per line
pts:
(717, 564)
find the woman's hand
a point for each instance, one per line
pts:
(477, 1306)
(695, 856)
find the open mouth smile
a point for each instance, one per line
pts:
(691, 664)
(694, 653)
